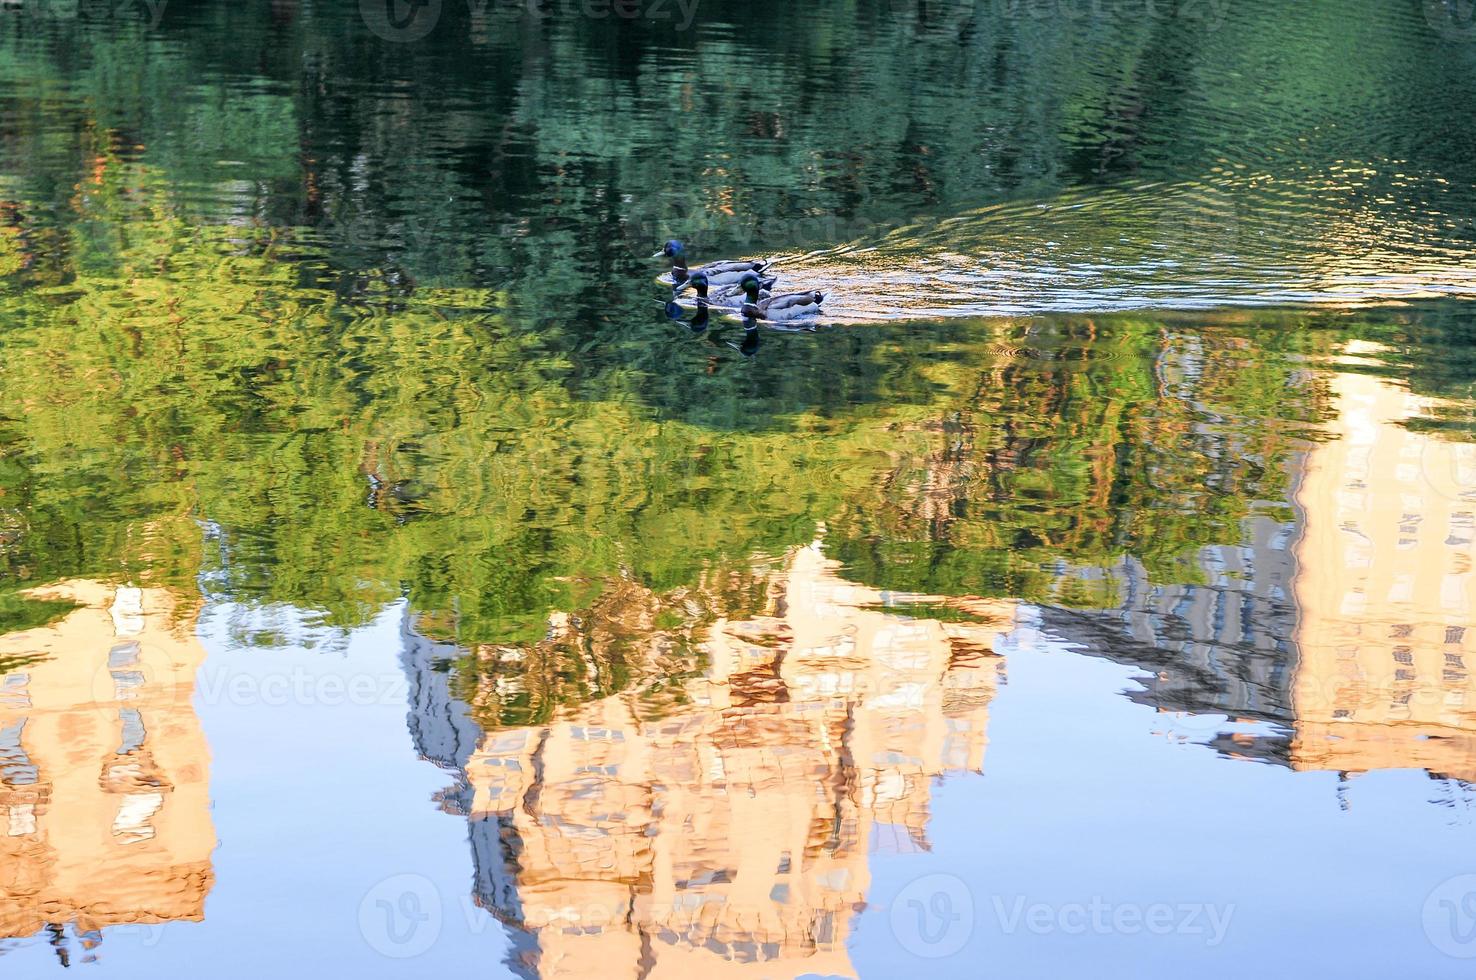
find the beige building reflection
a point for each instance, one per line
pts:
(1351, 625)
(1386, 591)
(732, 835)
(104, 806)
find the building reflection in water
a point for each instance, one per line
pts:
(1224, 646)
(104, 799)
(1214, 639)
(728, 824)
(1347, 629)
(732, 833)
(1386, 591)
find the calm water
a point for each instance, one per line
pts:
(389, 588)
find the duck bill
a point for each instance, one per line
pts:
(682, 288)
(659, 253)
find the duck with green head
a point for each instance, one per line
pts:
(784, 306)
(718, 273)
(700, 282)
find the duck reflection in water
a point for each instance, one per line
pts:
(698, 324)
(750, 343)
(749, 346)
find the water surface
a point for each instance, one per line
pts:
(389, 587)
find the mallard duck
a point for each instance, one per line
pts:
(718, 273)
(785, 306)
(725, 295)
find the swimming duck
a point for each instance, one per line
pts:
(785, 306)
(718, 273)
(725, 295)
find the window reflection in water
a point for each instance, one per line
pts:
(103, 769)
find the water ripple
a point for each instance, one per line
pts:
(1350, 236)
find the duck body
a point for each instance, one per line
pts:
(728, 273)
(786, 306)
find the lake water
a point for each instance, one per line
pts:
(390, 588)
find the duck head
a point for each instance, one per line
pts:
(750, 284)
(677, 252)
(698, 281)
